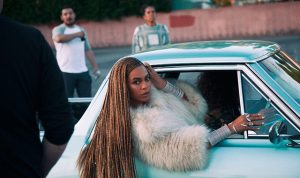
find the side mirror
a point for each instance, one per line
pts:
(277, 135)
(276, 132)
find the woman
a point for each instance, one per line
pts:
(159, 124)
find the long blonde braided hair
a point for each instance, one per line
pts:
(110, 153)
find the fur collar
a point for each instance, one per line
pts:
(168, 131)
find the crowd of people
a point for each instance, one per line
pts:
(136, 120)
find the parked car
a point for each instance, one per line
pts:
(266, 80)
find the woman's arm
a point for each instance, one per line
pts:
(156, 80)
(239, 125)
(163, 84)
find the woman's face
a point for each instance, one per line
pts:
(139, 86)
(150, 15)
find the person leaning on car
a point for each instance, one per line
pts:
(32, 85)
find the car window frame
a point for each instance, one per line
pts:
(241, 69)
(208, 67)
(251, 134)
(245, 68)
(249, 70)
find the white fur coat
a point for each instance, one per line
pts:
(168, 132)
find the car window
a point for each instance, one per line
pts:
(190, 77)
(256, 102)
(220, 90)
(286, 73)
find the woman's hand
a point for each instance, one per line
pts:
(246, 122)
(156, 80)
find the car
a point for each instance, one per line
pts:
(266, 80)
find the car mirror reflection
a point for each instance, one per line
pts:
(277, 135)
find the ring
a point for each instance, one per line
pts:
(250, 124)
(244, 125)
(248, 117)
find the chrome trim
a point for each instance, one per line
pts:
(241, 94)
(80, 100)
(239, 77)
(196, 67)
(195, 61)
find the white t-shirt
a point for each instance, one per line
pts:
(71, 55)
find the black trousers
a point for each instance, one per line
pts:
(81, 82)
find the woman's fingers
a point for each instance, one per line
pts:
(252, 121)
(149, 68)
(254, 117)
(157, 81)
(248, 122)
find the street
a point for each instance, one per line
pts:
(106, 57)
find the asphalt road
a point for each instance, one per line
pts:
(106, 57)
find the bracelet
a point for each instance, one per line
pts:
(218, 135)
(174, 90)
(233, 127)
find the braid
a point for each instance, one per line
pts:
(110, 152)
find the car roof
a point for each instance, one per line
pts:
(231, 51)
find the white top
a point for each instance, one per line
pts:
(145, 37)
(71, 55)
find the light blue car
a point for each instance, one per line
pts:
(266, 80)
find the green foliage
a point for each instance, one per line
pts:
(45, 11)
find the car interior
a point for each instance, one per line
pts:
(221, 91)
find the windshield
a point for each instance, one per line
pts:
(285, 72)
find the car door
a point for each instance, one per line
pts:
(242, 155)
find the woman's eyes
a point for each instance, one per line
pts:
(139, 81)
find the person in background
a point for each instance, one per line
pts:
(32, 92)
(72, 46)
(151, 33)
(146, 117)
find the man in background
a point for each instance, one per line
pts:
(150, 34)
(72, 45)
(32, 85)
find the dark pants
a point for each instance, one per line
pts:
(81, 82)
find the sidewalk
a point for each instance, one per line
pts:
(255, 20)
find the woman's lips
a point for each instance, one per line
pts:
(145, 94)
